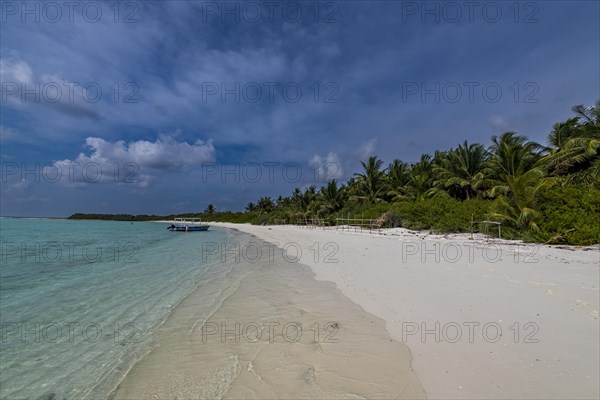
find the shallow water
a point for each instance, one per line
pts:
(80, 301)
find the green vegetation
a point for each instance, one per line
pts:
(539, 193)
(236, 217)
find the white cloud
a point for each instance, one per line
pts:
(326, 168)
(331, 167)
(367, 149)
(14, 74)
(499, 124)
(51, 90)
(123, 163)
(15, 70)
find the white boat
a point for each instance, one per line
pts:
(188, 225)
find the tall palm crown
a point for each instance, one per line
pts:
(512, 155)
(461, 171)
(265, 205)
(577, 147)
(398, 175)
(419, 182)
(562, 132)
(371, 182)
(331, 198)
(516, 200)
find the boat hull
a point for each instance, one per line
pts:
(202, 228)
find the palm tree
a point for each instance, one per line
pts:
(397, 178)
(562, 132)
(283, 202)
(512, 155)
(210, 209)
(579, 158)
(588, 115)
(301, 201)
(420, 180)
(461, 171)
(577, 142)
(265, 205)
(516, 200)
(331, 198)
(250, 207)
(371, 182)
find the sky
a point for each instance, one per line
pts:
(149, 107)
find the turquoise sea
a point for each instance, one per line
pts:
(80, 300)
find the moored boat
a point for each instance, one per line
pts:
(188, 225)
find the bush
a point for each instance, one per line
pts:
(362, 209)
(570, 215)
(440, 214)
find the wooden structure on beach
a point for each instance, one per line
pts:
(487, 224)
(359, 224)
(344, 224)
(311, 222)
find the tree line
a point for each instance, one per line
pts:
(541, 192)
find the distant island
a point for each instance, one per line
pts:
(539, 193)
(239, 217)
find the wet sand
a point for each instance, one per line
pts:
(274, 332)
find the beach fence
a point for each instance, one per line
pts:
(311, 222)
(370, 225)
(359, 224)
(343, 224)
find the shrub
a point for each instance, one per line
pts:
(440, 214)
(570, 215)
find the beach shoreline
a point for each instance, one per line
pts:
(502, 320)
(270, 331)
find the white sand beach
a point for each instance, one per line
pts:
(493, 320)
(265, 329)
